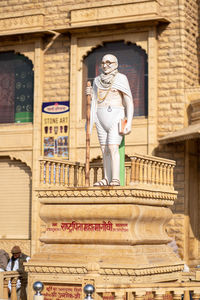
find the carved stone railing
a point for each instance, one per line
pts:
(141, 169)
(61, 173)
(183, 289)
(152, 170)
(187, 288)
(5, 277)
(155, 292)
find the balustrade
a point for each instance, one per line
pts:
(154, 291)
(61, 173)
(5, 277)
(141, 169)
(151, 170)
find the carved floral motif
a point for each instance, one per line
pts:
(107, 193)
(117, 12)
(8, 244)
(104, 271)
(21, 22)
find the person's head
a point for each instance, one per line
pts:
(109, 63)
(16, 252)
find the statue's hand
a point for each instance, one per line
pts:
(88, 90)
(127, 129)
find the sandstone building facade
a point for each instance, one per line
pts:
(48, 50)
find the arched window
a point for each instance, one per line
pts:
(16, 88)
(132, 62)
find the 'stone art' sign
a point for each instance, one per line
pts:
(55, 129)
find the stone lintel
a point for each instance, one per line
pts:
(22, 24)
(121, 13)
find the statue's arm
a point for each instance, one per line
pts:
(129, 113)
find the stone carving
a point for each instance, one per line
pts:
(56, 269)
(8, 244)
(110, 14)
(140, 39)
(135, 195)
(21, 22)
(104, 271)
(93, 268)
(25, 157)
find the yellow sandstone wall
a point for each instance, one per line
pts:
(177, 79)
(178, 73)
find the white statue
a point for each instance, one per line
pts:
(111, 102)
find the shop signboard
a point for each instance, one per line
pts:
(55, 129)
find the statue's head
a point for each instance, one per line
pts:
(109, 63)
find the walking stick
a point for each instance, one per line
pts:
(87, 162)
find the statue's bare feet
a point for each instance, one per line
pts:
(102, 182)
(115, 182)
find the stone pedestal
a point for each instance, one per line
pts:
(111, 236)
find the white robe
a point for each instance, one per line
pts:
(120, 83)
(15, 268)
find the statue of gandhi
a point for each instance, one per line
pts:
(111, 102)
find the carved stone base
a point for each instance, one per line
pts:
(118, 237)
(135, 261)
(107, 266)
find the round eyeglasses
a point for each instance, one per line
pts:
(107, 63)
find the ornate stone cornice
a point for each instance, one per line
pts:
(21, 24)
(55, 269)
(128, 195)
(140, 272)
(120, 13)
(103, 270)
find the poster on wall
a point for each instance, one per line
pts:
(55, 129)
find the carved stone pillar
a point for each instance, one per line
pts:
(13, 289)
(5, 288)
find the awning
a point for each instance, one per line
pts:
(188, 133)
